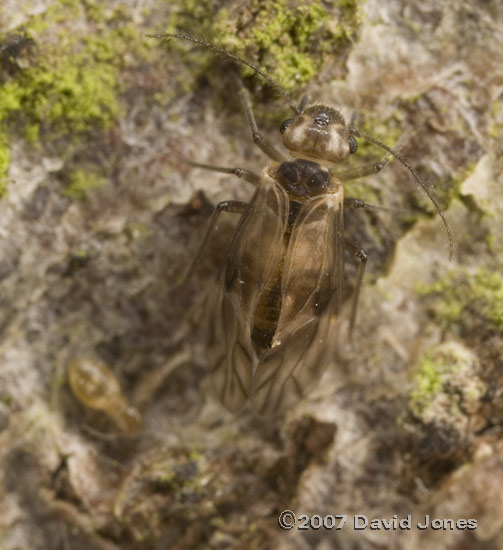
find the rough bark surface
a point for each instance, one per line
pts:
(100, 217)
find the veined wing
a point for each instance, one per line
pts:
(311, 298)
(254, 253)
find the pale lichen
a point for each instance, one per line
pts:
(446, 385)
(462, 296)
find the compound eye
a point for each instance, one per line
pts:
(285, 125)
(353, 145)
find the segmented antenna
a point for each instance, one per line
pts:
(354, 131)
(367, 137)
(220, 51)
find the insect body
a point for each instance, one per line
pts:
(274, 309)
(279, 294)
(275, 306)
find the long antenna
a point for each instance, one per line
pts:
(354, 131)
(220, 51)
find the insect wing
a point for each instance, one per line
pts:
(311, 299)
(255, 251)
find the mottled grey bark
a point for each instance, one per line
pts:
(408, 420)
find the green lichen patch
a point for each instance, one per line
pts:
(81, 183)
(292, 41)
(71, 84)
(460, 295)
(69, 97)
(446, 386)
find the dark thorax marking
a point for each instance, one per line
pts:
(303, 178)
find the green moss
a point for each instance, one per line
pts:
(446, 385)
(73, 94)
(428, 379)
(71, 84)
(291, 41)
(69, 97)
(427, 382)
(81, 183)
(460, 295)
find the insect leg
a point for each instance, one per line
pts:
(247, 175)
(361, 255)
(304, 101)
(361, 171)
(237, 207)
(354, 204)
(258, 139)
(351, 202)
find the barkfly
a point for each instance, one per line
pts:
(276, 304)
